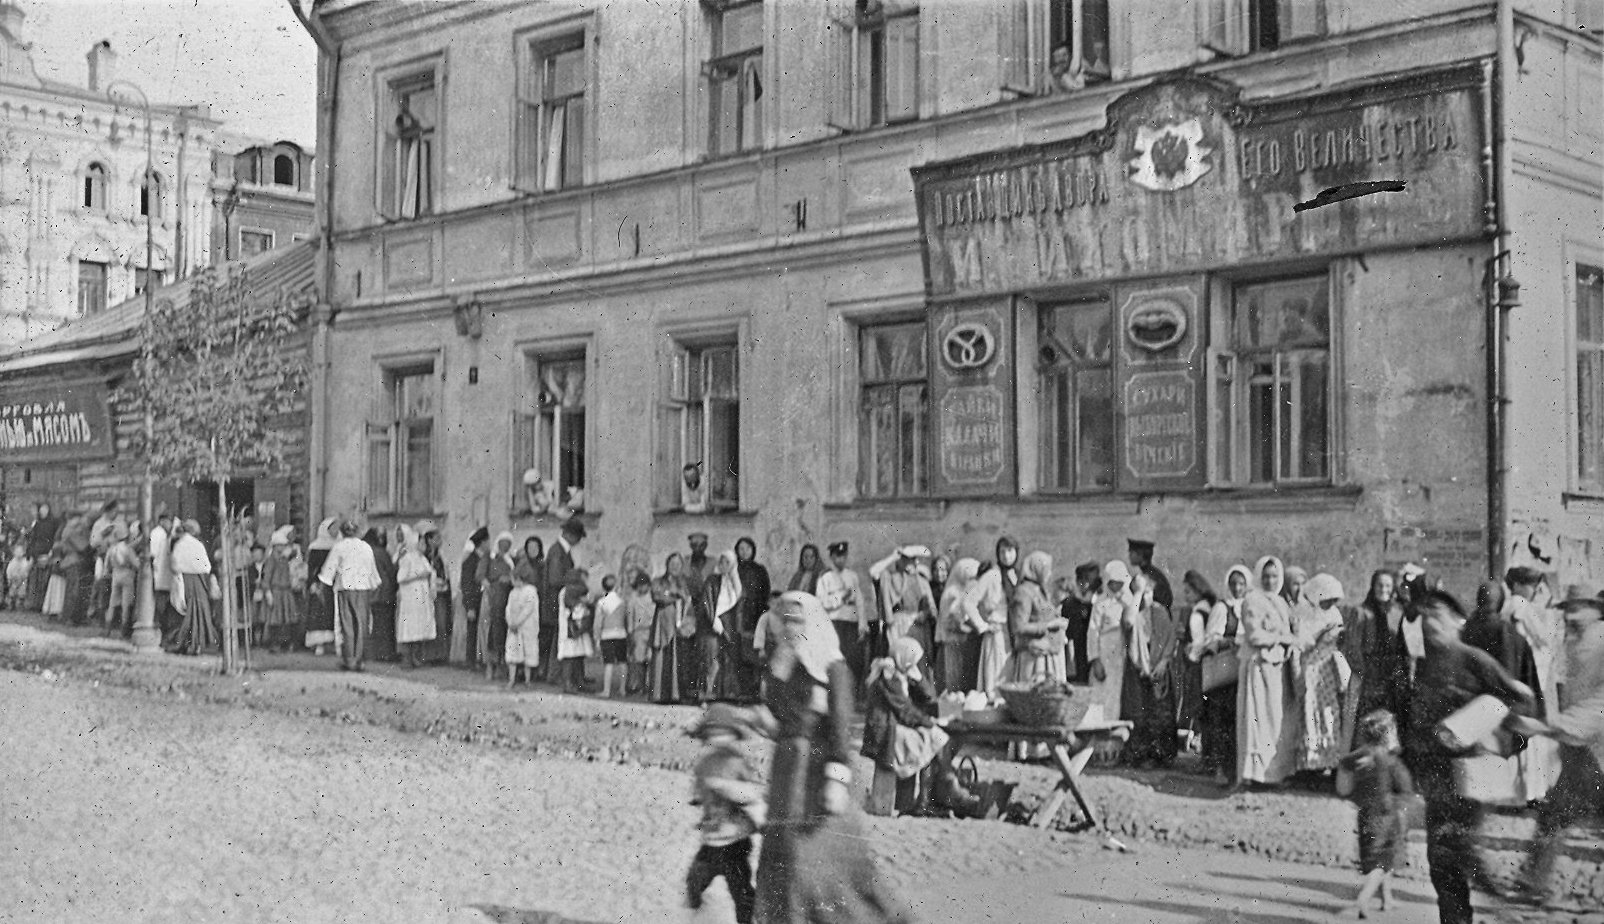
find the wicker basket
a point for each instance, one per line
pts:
(1044, 705)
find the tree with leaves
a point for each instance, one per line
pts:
(218, 371)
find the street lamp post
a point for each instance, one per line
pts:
(146, 636)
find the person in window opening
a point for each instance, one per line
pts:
(692, 491)
(415, 156)
(1062, 74)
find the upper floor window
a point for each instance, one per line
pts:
(400, 442)
(1271, 382)
(283, 170)
(1076, 366)
(699, 428)
(1590, 378)
(1244, 26)
(150, 195)
(875, 63)
(550, 440)
(409, 181)
(91, 287)
(894, 411)
(144, 278)
(551, 115)
(252, 243)
(93, 188)
(1054, 46)
(734, 74)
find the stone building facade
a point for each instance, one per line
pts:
(887, 273)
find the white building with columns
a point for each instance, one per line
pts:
(73, 200)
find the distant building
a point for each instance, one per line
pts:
(262, 198)
(892, 272)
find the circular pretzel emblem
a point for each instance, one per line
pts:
(968, 346)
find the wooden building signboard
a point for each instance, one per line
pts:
(67, 421)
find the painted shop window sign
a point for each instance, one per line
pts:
(411, 147)
(400, 442)
(1273, 381)
(1590, 378)
(1076, 388)
(1157, 325)
(1053, 46)
(735, 78)
(894, 414)
(699, 429)
(550, 441)
(970, 345)
(552, 115)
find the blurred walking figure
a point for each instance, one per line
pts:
(1380, 786)
(351, 576)
(730, 794)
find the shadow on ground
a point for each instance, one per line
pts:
(501, 914)
(1202, 914)
(1342, 892)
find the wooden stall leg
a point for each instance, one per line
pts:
(882, 792)
(1070, 767)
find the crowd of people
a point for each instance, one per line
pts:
(1271, 677)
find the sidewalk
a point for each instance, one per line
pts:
(453, 704)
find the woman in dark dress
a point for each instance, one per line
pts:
(534, 552)
(755, 602)
(381, 636)
(808, 568)
(1147, 696)
(1219, 640)
(472, 592)
(439, 650)
(1368, 642)
(41, 539)
(319, 599)
(495, 572)
(816, 866)
(673, 631)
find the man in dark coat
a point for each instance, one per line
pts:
(1140, 552)
(472, 593)
(698, 567)
(560, 572)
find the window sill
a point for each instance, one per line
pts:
(527, 518)
(672, 514)
(1301, 499)
(1582, 501)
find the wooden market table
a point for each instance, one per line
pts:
(1070, 749)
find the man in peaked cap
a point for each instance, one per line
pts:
(841, 592)
(1140, 552)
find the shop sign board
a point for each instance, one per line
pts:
(69, 421)
(973, 399)
(1161, 426)
(1185, 177)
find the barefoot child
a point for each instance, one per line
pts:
(733, 809)
(640, 612)
(17, 571)
(523, 625)
(1378, 783)
(612, 635)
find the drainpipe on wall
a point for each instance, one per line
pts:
(1502, 72)
(322, 313)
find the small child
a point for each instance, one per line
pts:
(612, 635)
(523, 625)
(123, 564)
(640, 614)
(574, 633)
(733, 809)
(1379, 784)
(17, 571)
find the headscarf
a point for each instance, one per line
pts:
(1010, 573)
(1314, 619)
(963, 576)
(1247, 583)
(901, 662)
(524, 551)
(815, 646)
(327, 535)
(1117, 571)
(1287, 575)
(806, 579)
(1038, 569)
(495, 548)
(729, 583)
(409, 541)
(1258, 576)
(281, 536)
(1322, 587)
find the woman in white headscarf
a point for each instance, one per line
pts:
(816, 865)
(986, 607)
(1219, 640)
(414, 595)
(962, 623)
(1112, 610)
(319, 599)
(1264, 644)
(1323, 675)
(192, 592)
(719, 640)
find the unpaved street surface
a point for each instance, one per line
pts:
(145, 788)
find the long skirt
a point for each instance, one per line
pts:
(1260, 717)
(1186, 676)
(1034, 667)
(995, 647)
(952, 666)
(493, 619)
(663, 681)
(1107, 692)
(198, 631)
(320, 617)
(38, 580)
(76, 583)
(1323, 719)
(816, 868)
(1149, 703)
(55, 595)
(381, 639)
(439, 649)
(1219, 729)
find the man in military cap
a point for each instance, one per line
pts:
(841, 592)
(1141, 558)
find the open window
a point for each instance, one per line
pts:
(409, 159)
(1053, 46)
(92, 188)
(1238, 27)
(699, 427)
(549, 467)
(874, 65)
(1590, 378)
(894, 410)
(734, 76)
(400, 441)
(551, 114)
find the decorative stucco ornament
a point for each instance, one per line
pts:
(1170, 157)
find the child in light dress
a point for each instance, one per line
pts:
(574, 625)
(523, 625)
(17, 571)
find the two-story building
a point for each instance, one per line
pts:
(890, 272)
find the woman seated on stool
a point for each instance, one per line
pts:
(902, 735)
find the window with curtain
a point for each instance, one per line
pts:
(91, 287)
(699, 428)
(735, 78)
(411, 150)
(1272, 384)
(400, 470)
(550, 438)
(552, 115)
(894, 411)
(94, 187)
(1590, 378)
(1076, 388)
